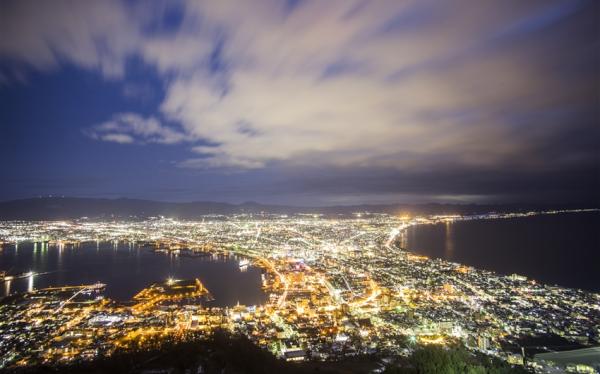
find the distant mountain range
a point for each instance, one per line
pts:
(56, 208)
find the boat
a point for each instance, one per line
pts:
(244, 263)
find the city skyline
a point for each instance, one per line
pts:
(301, 102)
(304, 287)
(300, 186)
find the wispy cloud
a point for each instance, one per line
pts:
(400, 86)
(114, 137)
(97, 35)
(397, 90)
(126, 128)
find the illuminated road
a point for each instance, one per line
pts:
(82, 290)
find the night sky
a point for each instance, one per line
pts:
(301, 102)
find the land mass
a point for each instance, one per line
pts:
(57, 208)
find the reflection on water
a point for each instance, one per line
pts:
(30, 283)
(403, 239)
(559, 249)
(126, 269)
(449, 244)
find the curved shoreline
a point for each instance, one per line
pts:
(467, 246)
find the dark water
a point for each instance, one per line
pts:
(126, 270)
(561, 249)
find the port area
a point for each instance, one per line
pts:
(172, 292)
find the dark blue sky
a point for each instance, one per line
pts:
(301, 102)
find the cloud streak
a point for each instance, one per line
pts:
(126, 128)
(407, 88)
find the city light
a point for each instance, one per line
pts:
(334, 287)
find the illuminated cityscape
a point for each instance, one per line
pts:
(300, 186)
(336, 288)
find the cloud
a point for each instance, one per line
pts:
(116, 138)
(402, 96)
(412, 89)
(126, 128)
(96, 35)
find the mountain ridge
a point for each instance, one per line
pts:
(57, 208)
